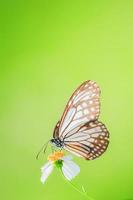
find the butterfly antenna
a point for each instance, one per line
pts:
(43, 148)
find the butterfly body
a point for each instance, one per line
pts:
(79, 130)
(57, 142)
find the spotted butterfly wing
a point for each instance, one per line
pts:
(79, 129)
(89, 142)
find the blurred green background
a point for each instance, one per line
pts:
(48, 48)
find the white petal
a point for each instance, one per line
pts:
(45, 166)
(65, 158)
(46, 171)
(70, 169)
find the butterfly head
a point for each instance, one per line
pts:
(57, 142)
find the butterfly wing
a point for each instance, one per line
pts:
(89, 142)
(82, 107)
(56, 130)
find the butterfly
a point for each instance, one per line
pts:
(79, 131)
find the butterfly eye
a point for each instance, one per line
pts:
(52, 140)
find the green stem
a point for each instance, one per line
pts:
(82, 193)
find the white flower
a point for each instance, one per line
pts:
(65, 163)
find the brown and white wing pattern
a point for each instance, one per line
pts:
(56, 130)
(89, 142)
(82, 107)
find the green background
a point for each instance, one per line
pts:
(48, 48)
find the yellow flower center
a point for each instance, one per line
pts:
(56, 156)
